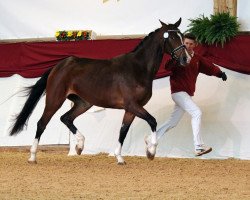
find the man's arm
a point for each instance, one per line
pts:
(210, 69)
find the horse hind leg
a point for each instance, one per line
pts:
(127, 120)
(78, 108)
(50, 109)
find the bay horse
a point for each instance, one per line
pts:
(123, 82)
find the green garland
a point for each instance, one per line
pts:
(219, 29)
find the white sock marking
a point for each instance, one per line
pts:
(33, 151)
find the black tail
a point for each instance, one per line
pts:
(34, 94)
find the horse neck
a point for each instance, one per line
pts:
(150, 53)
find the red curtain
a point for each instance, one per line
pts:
(234, 55)
(31, 59)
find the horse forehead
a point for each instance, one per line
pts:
(175, 32)
(170, 28)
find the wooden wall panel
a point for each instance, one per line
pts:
(225, 6)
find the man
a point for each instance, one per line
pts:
(182, 82)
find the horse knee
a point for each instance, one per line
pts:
(64, 119)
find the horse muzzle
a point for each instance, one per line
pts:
(183, 61)
(182, 58)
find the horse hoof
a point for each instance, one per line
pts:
(32, 162)
(79, 150)
(121, 163)
(150, 156)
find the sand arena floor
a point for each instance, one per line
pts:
(58, 176)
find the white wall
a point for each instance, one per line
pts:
(42, 18)
(243, 14)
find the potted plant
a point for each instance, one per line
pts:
(217, 29)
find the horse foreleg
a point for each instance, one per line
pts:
(80, 139)
(151, 144)
(127, 120)
(80, 143)
(68, 118)
(151, 141)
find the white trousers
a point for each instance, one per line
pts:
(183, 103)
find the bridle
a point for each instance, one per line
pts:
(172, 53)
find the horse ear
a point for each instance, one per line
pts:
(177, 24)
(162, 23)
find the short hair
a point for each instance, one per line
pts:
(190, 36)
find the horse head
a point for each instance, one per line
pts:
(173, 42)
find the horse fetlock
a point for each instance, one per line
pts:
(152, 149)
(79, 136)
(150, 152)
(80, 142)
(32, 159)
(117, 151)
(151, 144)
(33, 150)
(120, 160)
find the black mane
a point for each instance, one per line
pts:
(145, 39)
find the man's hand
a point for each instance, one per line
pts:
(223, 76)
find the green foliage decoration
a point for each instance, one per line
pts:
(219, 29)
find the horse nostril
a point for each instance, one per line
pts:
(185, 59)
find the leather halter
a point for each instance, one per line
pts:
(172, 53)
(175, 50)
